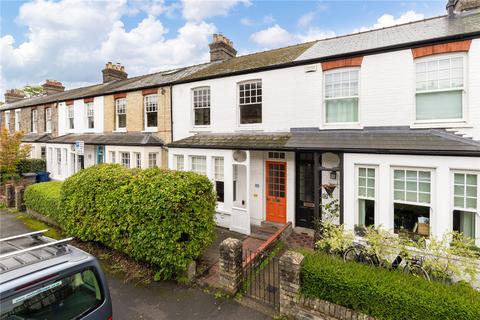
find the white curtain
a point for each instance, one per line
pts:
(439, 105)
(342, 110)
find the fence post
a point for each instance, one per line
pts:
(19, 190)
(230, 264)
(290, 266)
(9, 195)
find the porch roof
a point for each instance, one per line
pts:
(386, 140)
(119, 139)
(36, 137)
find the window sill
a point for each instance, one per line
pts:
(356, 125)
(441, 124)
(151, 129)
(120, 130)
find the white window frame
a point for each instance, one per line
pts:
(18, 119)
(354, 124)
(112, 155)
(58, 158)
(251, 125)
(176, 162)
(48, 120)
(34, 120)
(204, 158)
(70, 117)
(463, 89)
(215, 172)
(137, 157)
(145, 98)
(7, 120)
(120, 102)
(475, 211)
(359, 197)
(90, 112)
(151, 161)
(209, 107)
(123, 159)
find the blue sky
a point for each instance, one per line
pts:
(70, 40)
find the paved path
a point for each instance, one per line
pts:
(158, 300)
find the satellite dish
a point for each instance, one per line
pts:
(239, 156)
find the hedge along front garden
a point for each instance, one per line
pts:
(162, 217)
(384, 294)
(44, 198)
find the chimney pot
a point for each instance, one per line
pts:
(221, 48)
(114, 72)
(52, 86)
(13, 95)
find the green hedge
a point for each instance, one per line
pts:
(44, 198)
(162, 217)
(384, 294)
(31, 165)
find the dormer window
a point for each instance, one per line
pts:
(151, 112)
(440, 88)
(250, 102)
(201, 106)
(341, 96)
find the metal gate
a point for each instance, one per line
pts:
(261, 278)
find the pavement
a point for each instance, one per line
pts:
(157, 300)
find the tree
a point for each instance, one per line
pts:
(11, 151)
(33, 91)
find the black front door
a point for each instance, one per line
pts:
(305, 202)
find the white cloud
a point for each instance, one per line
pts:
(306, 19)
(268, 19)
(71, 40)
(388, 20)
(197, 10)
(276, 36)
(247, 22)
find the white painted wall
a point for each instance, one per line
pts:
(80, 114)
(294, 98)
(442, 187)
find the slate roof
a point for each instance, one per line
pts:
(36, 137)
(391, 140)
(118, 139)
(406, 34)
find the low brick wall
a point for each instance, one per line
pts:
(294, 305)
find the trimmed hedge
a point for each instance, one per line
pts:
(44, 198)
(158, 216)
(384, 294)
(31, 165)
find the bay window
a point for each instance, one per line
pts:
(201, 106)
(199, 164)
(341, 96)
(439, 88)
(125, 159)
(366, 196)
(250, 102)
(121, 113)
(151, 111)
(179, 162)
(153, 159)
(465, 201)
(138, 159)
(412, 201)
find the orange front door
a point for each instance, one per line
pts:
(277, 191)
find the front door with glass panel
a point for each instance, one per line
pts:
(276, 191)
(304, 215)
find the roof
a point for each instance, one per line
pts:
(396, 140)
(405, 34)
(119, 139)
(36, 137)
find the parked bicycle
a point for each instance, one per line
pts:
(359, 253)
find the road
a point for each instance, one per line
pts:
(157, 300)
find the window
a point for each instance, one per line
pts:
(121, 111)
(219, 180)
(366, 196)
(67, 297)
(70, 117)
(276, 155)
(138, 159)
(439, 88)
(465, 203)
(7, 120)
(58, 151)
(199, 164)
(179, 162)
(17, 120)
(125, 158)
(48, 120)
(112, 157)
(151, 109)
(153, 159)
(412, 197)
(341, 96)
(33, 127)
(43, 153)
(90, 115)
(201, 106)
(250, 102)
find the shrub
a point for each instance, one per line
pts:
(162, 217)
(384, 294)
(31, 165)
(44, 198)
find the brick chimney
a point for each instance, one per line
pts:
(459, 6)
(221, 48)
(13, 95)
(114, 72)
(52, 86)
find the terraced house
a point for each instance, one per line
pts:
(386, 122)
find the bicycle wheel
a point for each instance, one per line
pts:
(358, 255)
(416, 271)
(351, 254)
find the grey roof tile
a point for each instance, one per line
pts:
(120, 139)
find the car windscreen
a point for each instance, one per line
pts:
(67, 297)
